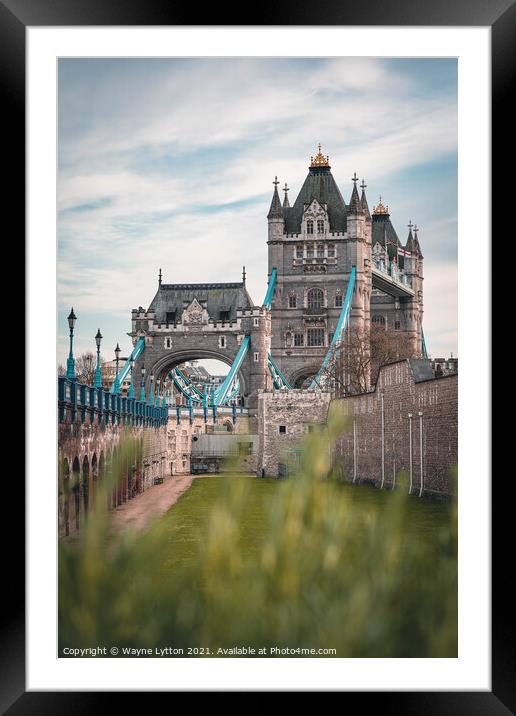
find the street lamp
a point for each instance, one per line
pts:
(116, 387)
(70, 364)
(151, 393)
(98, 374)
(142, 391)
(131, 387)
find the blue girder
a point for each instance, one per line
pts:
(221, 393)
(135, 353)
(333, 349)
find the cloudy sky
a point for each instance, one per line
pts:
(169, 163)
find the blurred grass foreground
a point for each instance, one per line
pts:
(325, 569)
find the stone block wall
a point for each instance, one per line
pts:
(283, 420)
(418, 434)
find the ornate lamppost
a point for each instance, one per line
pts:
(98, 373)
(70, 364)
(116, 386)
(142, 391)
(151, 391)
(131, 387)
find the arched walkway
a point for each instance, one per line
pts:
(76, 493)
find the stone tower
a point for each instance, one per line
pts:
(400, 311)
(313, 244)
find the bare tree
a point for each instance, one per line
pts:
(357, 359)
(61, 370)
(85, 366)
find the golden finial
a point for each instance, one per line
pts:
(320, 160)
(380, 208)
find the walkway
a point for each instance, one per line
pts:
(137, 513)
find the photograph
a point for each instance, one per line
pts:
(257, 357)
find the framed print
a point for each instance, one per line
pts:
(248, 435)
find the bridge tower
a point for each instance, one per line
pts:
(313, 244)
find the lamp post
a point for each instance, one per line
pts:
(70, 364)
(142, 390)
(131, 387)
(151, 392)
(116, 387)
(98, 373)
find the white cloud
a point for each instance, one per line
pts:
(155, 147)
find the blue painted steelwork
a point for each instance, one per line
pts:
(423, 345)
(137, 350)
(90, 405)
(220, 395)
(267, 301)
(278, 378)
(333, 349)
(183, 385)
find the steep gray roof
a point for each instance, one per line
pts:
(276, 211)
(218, 297)
(320, 185)
(384, 233)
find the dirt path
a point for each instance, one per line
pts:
(151, 504)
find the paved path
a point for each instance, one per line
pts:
(151, 504)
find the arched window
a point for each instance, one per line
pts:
(320, 226)
(338, 300)
(309, 227)
(292, 301)
(315, 298)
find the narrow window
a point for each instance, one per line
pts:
(338, 300)
(299, 339)
(292, 301)
(256, 357)
(256, 322)
(309, 227)
(320, 251)
(222, 341)
(309, 251)
(331, 251)
(397, 325)
(299, 252)
(282, 429)
(224, 316)
(320, 227)
(171, 317)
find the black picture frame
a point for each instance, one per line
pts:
(15, 17)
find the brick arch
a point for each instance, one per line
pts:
(85, 484)
(76, 493)
(297, 377)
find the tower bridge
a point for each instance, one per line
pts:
(333, 267)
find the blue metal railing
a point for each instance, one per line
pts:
(85, 404)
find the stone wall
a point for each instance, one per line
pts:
(85, 454)
(283, 419)
(180, 437)
(420, 428)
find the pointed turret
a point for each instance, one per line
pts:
(286, 204)
(355, 205)
(417, 247)
(363, 201)
(275, 212)
(409, 246)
